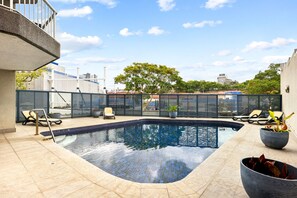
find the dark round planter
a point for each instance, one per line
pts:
(276, 140)
(172, 114)
(55, 115)
(258, 185)
(96, 113)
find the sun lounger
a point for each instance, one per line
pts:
(266, 120)
(108, 113)
(30, 116)
(244, 118)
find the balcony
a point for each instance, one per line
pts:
(27, 34)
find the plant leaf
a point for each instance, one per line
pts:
(262, 159)
(289, 116)
(272, 168)
(284, 172)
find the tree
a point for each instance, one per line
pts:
(148, 78)
(266, 82)
(23, 77)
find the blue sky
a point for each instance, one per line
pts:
(200, 38)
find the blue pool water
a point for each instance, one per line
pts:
(149, 151)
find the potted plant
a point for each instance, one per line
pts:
(172, 111)
(96, 113)
(268, 178)
(55, 115)
(276, 136)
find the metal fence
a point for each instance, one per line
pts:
(74, 104)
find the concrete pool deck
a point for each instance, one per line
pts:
(31, 167)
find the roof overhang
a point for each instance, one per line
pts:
(23, 45)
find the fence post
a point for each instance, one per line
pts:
(37, 120)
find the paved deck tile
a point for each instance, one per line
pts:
(31, 167)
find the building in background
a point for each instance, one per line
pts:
(89, 77)
(222, 79)
(56, 79)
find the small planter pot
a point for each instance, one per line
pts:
(96, 113)
(173, 114)
(258, 185)
(276, 140)
(55, 115)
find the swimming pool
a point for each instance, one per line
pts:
(148, 151)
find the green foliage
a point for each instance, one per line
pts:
(281, 125)
(148, 78)
(203, 86)
(172, 108)
(23, 77)
(156, 79)
(266, 82)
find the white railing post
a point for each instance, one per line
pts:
(10, 4)
(40, 12)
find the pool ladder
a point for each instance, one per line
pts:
(48, 124)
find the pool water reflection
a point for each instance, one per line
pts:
(149, 153)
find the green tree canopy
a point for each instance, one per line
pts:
(266, 82)
(23, 77)
(148, 78)
(192, 86)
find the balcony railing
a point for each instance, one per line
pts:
(40, 12)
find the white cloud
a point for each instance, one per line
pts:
(219, 63)
(224, 53)
(238, 59)
(214, 4)
(125, 32)
(275, 43)
(108, 3)
(76, 12)
(202, 24)
(166, 5)
(155, 31)
(86, 60)
(71, 43)
(275, 59)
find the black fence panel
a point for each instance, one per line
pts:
(60, 102)
(28, 100)
(247, 103)
(98, 102)
(165, 101)
(70, 104)
(81, 105)
(227, 105)
(187, 106)
(133, 105)
(117, 103)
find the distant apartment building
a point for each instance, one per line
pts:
(56, 79)
(89, 77)
(222, 79)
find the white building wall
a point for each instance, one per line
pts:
(289, 99)
(63, 82)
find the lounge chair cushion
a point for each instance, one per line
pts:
(254, 114)
(30, 116)
(108, 113)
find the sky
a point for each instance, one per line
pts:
(200, 38)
